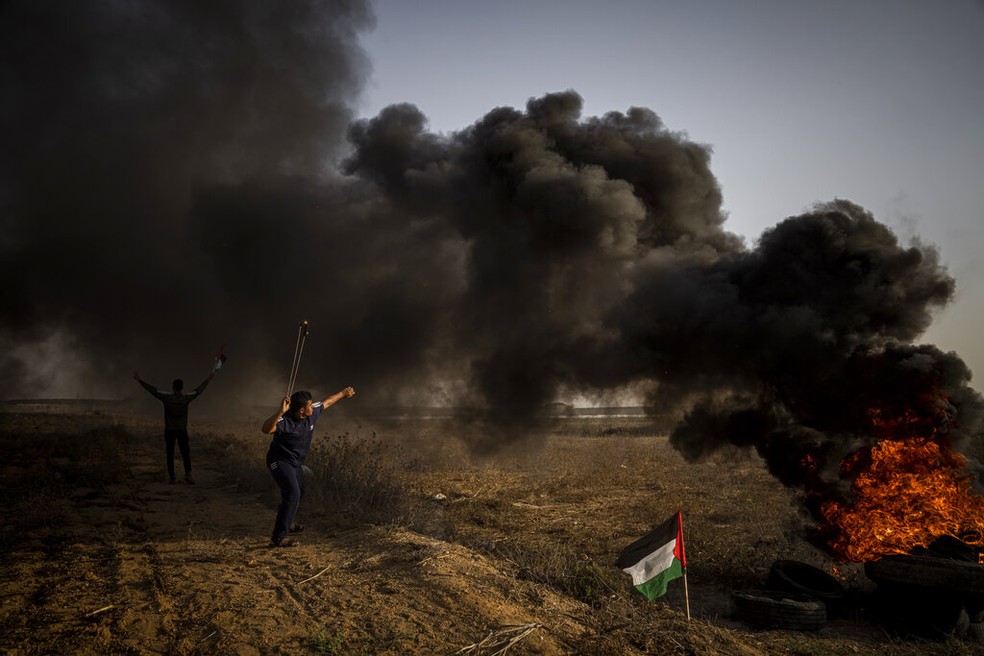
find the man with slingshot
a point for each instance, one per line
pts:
(292, 428)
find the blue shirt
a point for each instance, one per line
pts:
(292, 437)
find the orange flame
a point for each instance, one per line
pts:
(907, 493)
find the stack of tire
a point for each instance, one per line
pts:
(796, 597)
(929, 597)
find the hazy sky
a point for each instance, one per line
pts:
(472, 233)
(878, 101)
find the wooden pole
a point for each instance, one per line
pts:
(686, 594)
(683, 561)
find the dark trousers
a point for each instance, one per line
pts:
(290, 480)
(179, 435)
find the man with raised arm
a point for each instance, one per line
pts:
(292, 428)
(176, 420)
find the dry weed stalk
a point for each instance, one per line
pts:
(100, 610)
(502, 639)
(311, 578)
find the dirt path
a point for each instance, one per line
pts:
(146, 567)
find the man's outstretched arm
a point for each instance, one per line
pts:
(201, 388)
(346, 393)
(147, 386)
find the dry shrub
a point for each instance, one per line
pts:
(651, 627)
(241, 457)
(347, 472)
(358, 475)
(557, 565)
(61, 462)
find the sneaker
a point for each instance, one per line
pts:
(284, 542)
(189, 480)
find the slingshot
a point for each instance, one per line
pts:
(302, 332)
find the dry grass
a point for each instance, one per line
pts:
(48, 469)
(351, 473)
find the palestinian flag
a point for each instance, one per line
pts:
(220, 359)
(656, 558)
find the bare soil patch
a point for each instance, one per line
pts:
(450, 554)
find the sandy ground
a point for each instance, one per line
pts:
(145, 567)
(149, 567)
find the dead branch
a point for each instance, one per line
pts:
(501, 640)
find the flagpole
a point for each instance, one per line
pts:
(686, 594)
(683, 552)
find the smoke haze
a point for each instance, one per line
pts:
(184, 175)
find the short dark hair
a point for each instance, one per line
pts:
(177, 384)
(299, 399)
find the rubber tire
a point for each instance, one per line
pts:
(795, 576)
(951, 548)
(775, 609)
(957, 576)
(910, 611)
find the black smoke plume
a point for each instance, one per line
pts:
(118, 119)
(181, 175)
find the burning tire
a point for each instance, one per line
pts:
(794, 576)
(961, 577)
(773, 609)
